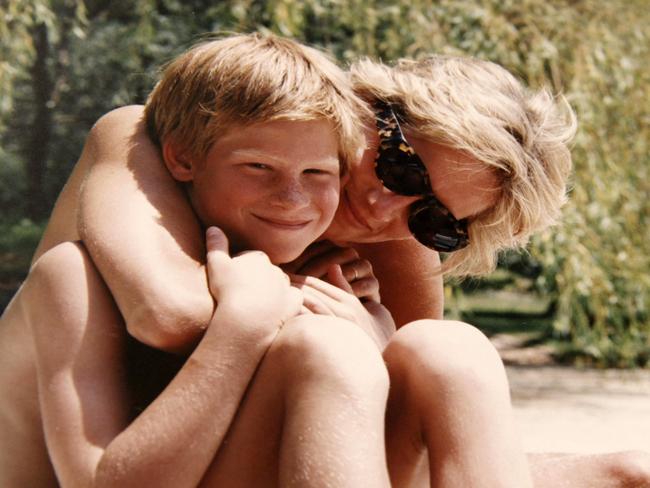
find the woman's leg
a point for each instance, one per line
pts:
(449, 406)
(628, 469)
(313, 414)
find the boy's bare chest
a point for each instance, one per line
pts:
(149, 372)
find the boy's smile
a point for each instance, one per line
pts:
(271, 186)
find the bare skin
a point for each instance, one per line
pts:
(133, 308)
(415, 273)
(412, 289)
(92, 440)
(90, 386)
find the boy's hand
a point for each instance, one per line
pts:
(255, 289)
(323, 298)
(321, 260)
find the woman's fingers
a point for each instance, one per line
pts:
(335, 277)
(357, 269)
(316, 249)
(318, 263)
(366, 289)
(361, 279)
(342, 267)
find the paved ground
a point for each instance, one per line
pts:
(569, 410)
(565, 409)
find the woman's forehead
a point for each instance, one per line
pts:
(463, 184)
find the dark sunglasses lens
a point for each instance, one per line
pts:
(400, 174)
(435, 229)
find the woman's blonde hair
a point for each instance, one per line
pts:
(479, 108)
(245, 79)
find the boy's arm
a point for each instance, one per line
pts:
(143, 236)
(82, 377)
(410, 281)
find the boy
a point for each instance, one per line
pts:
(253, 128)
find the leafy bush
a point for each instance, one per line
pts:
(18, 242)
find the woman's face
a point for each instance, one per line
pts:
(369, 212)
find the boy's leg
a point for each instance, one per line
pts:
(78, 339)
(24, 460)
(313, 415)
(449, 405)
(319, 395)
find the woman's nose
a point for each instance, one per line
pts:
(386, 205)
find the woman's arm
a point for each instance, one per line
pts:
(142, 235)
(410, 282)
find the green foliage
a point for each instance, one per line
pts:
(594, 266)
(597, 262)
(19, 18)
(18, 242)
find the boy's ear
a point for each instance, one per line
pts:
(177, 160)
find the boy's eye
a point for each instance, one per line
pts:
(258, 166)
(318, 171)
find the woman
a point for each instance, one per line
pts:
(487, 165)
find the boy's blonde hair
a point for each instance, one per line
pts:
(479, 108)
(246, 79)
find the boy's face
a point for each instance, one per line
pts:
(271, 186)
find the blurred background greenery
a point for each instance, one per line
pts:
(583, 285)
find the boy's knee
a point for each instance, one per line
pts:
(58, 264)
(331, 350)
(62, 286)
(443, 351)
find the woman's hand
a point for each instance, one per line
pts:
(339, 266)
(249, 284)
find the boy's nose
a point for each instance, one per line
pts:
(290, 194)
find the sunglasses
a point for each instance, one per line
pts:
(402, 171)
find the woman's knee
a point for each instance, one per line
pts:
(443, 352)
(331, 350)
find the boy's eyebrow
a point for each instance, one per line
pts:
(269, 155)
(244, 151)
